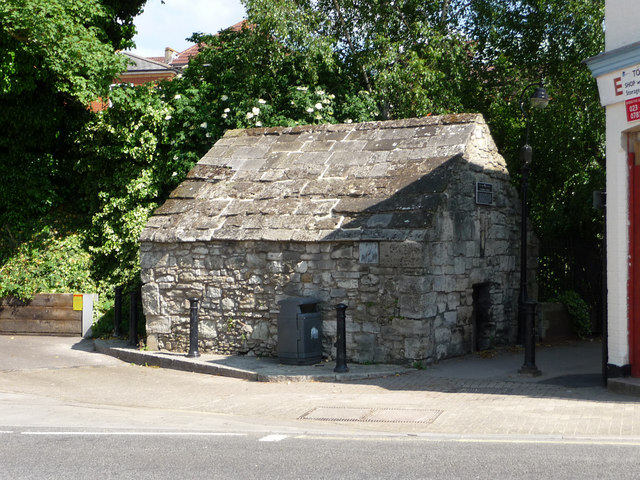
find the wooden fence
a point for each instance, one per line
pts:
(47, 314)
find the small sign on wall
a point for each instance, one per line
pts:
(484, 193)
(369, 252)
(633, 109)
(77, 302)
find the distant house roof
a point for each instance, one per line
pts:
(143, 70)
(368, 181)
(181, 59)
(143, 64)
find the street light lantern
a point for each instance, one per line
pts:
(526, 307)
(540, 98)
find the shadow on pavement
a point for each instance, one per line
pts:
(570, 370)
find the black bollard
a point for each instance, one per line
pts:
(133, 317)
(193, 328)
(117, 313)
(341, 340)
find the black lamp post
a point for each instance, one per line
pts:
(526, 307)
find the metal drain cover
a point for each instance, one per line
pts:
(388, 415)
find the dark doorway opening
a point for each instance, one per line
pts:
(483, 325)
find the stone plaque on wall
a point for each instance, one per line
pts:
(484, 193)
(369, 252)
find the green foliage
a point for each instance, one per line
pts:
(55, 57)
(579, 312)
(53, 259)
(65, 40)
(523, 42)
(300, 62)
(122, 153)
(401, 52)
(418, 365)
(250, 79)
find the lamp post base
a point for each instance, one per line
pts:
(528, 311)
(529, 371)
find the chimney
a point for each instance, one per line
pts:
(169, 54)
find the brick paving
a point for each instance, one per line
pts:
(467, 406)
(471, 401)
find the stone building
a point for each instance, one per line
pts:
(412, 223)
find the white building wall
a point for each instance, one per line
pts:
(621, 27)
(617, 71)
(617, 235)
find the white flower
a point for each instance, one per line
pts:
(249, 115)
(224, 115)
(178, 97)
(302, 89)
(258, 124)
(208, 135)
(227, 110)
(174, 174)
(319, 92)
(318, 106)
(332, 96)
(326, 101)
(203, 125)
(310, 110)
(260, 100)
(318, 117)
(348, 120)
(168, 117)
(224, 98)
(255, 111)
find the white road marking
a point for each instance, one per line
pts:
(148, 434)
(273, 438)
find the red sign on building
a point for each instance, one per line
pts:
(633, 109)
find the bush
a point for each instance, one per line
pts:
(579, 312)
(53, 260)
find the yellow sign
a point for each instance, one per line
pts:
(77, 301)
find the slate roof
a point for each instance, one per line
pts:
(368, 181)
(138, 64)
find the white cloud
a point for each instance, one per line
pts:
(169, 24)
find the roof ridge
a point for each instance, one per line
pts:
(447, 119)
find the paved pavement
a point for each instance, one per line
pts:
(469, 396)
(569, 364)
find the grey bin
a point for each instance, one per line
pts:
(299, 331)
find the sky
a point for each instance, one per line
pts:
(169, 24)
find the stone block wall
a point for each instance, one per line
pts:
(414, 304)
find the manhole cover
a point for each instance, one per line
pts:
(389, 415)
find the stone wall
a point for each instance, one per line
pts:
(415, 304)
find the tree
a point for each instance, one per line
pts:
(123, 154)
(250, 78)
(55, 57)
(520, 42)
(524, 41)
(403, 52)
